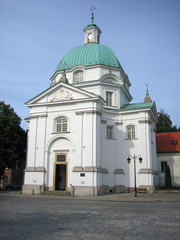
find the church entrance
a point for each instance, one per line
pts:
(60, 173)
(60, 177)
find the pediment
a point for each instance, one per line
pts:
(111, 78)
(59, 93)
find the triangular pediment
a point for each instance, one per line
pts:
(59, 93)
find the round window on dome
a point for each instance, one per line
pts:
(78, 76)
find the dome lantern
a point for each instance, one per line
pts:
(92, 31)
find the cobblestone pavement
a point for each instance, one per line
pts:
(106, 217)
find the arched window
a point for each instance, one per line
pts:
(131, 131)
(90, 37)
(78, 76)
(61, 124)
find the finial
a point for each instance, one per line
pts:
(92, 14)
(63, 78)
(147, 98)
(64, 66)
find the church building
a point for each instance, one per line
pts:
(84, 135)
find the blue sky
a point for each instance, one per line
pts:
(143, 34)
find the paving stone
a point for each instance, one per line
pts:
(106, 217)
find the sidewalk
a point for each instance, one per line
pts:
(158, 196)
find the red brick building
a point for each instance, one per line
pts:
(13, 177)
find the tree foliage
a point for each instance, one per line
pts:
(165, 124)
(12, 139)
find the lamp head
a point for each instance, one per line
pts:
(128, 159)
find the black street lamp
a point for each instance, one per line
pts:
(129, 160)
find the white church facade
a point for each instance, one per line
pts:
(82, 129)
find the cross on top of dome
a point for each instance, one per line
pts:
(92, 14)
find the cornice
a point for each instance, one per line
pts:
(34, 169)
(90, 169)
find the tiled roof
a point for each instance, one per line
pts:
(135, 106)
(168, 142)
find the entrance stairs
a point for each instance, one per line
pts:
(57, 193)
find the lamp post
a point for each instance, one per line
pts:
(140, 160)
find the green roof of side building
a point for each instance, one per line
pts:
(136, 106)
(89, 55)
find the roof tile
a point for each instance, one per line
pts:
(168, 142)
(137, 106)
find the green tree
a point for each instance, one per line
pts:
(12, 139)
(168, 183)
(165, 124)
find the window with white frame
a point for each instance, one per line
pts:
(78, 76)
(163, 166)
(110, 132)
(131, 132)
(109, 98)
(61, 124)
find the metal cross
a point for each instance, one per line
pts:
(92, 9)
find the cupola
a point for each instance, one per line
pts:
(92, 32)
(147, 99)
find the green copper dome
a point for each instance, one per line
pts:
(89, 55)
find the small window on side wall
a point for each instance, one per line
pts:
(110, 132)
(61, 125)
(78, 76)
(163, 166)
(109, 98)
(131, 132)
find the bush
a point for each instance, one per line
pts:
(168, 183)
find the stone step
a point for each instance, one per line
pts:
(56, 192)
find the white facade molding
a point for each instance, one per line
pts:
(35, 116)
(118, 123)
(79, 112)
(61, 95)
(145, 121)
(146, 171)
(103, 121)
(119, 171)
(96, 112)
(55, 138)
(90, 169)
(34, 169)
